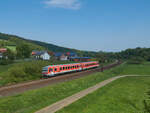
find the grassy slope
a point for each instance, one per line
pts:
(12, 48)
(31, 101)
(125, 95)
(15, 40)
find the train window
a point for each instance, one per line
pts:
(60, 68)
(50, 70)
(55, 69)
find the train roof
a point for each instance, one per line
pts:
(68, 64)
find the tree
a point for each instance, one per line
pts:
(9, 55)
(23, 51)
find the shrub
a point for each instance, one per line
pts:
(135, 60)
(24, 71)
(5, 61)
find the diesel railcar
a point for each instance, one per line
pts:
(53, 70)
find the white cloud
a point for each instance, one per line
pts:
(67, 4)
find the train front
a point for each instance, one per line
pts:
(45, 71)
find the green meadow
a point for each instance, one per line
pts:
(31, 101)
(125, 95)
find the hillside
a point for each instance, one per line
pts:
(13, 40)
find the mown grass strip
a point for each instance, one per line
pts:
(125, 95)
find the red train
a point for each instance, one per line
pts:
(53, 70)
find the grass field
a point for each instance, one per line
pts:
(125, 95)
(12, 48)
(32, 101)
(4, 68)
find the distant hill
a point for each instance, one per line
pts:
(13, 40)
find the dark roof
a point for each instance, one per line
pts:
(71, 54)
(58, 54)
(39, 52)
(81, 57)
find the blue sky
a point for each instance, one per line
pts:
(108, 25)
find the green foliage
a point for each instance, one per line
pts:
(24, 71)
(23, 51)
(5, 61)
(143, 53)
(12, 48)
(136, 60)
(9, 54)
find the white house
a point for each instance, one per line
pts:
(43, 55)
(63, 57)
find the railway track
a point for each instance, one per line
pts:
(22, 87)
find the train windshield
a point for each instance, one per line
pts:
(44, 70)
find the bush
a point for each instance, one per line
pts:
(16, 74)
(135, 60)
(24, 71)
(5, 61)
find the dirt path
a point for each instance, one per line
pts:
(65, 102)
(22, 87)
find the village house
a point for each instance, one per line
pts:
(2, 51)
(71, 54)
(41, 55)
(64, 56)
